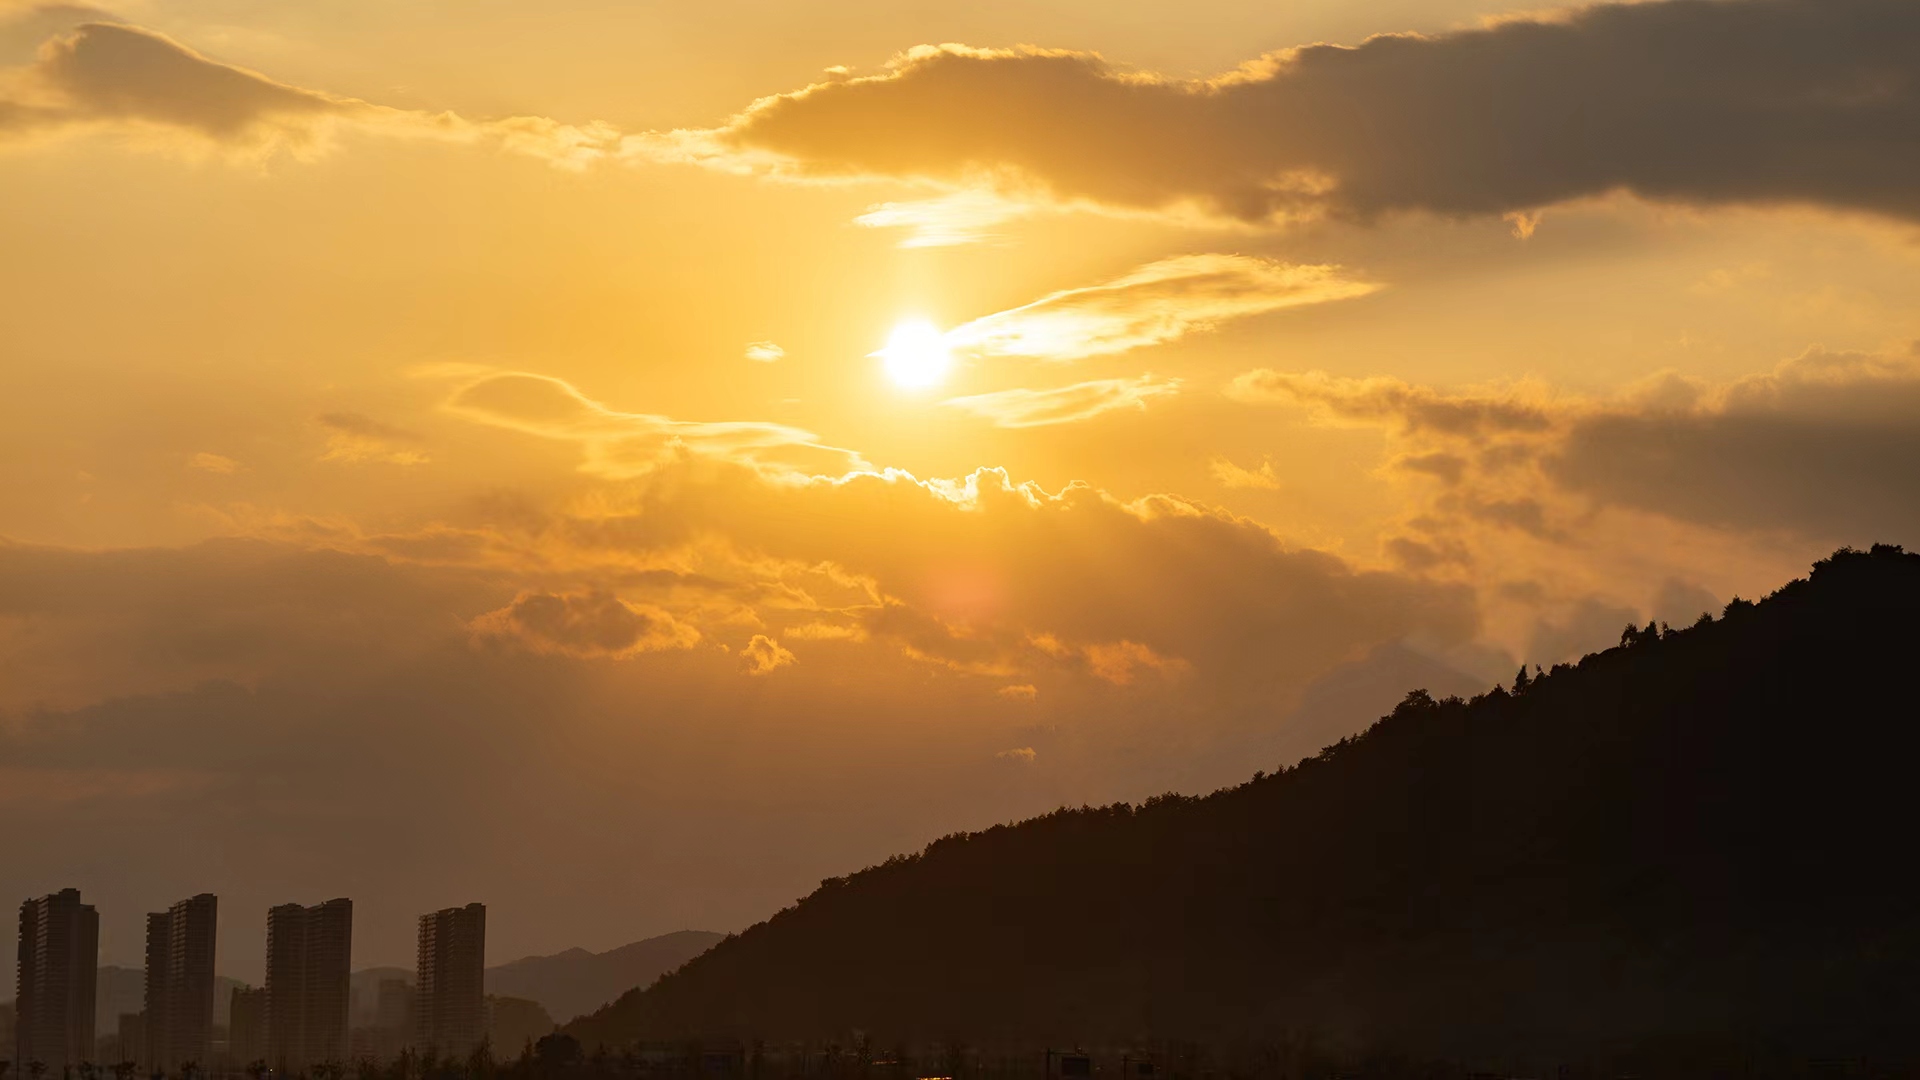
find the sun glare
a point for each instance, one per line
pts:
(916, 355)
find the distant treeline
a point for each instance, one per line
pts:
(1695, 848)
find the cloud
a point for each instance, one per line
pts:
(1019, 755)
(213, 463)
(1824, 446)
(116, 77)
(959, 217)
(1827, 444)
(1022, 408)
(474, 699)
(1159, 302)
(353, 439)
(766, 352)
(593, 624)
(1411, 408)
(1227, 474)
(763, 655)
(1120, 661)
(1740, 102)
(621, 445)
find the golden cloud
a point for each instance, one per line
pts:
(218, 464)
(958, 217)
(621, 445)
(764, 655)
(108, 76)
(1786, 101)
(353, 439)
(1156, 303)
(1022, 408)
(588, 625)
(1825, 445)
(1227, 474)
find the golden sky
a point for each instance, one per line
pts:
(624, 462)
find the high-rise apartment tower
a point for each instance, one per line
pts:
(308, 953)
(450, 1005)
(246, 1027)
(59, 956)
(180, 985)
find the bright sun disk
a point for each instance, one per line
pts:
(916, 355)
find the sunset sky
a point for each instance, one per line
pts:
(625, 461)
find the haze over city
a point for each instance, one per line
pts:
(628, 464)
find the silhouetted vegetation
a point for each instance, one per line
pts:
(1691, 853)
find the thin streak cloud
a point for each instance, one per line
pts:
(620, 445)
(1160, 302)
(1023, 408)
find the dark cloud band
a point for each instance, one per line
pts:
(1697, 101)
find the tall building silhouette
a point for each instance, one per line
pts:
(59, 957)
(450, 1006)
(247, 1027)
(132, 1029)
(308, 986)
(179, 984)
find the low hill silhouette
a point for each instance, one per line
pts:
(568, 983)
(1696, 847)
(576, 981)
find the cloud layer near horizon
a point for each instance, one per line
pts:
(683, 675)
(1825, 446)
(1696, 101)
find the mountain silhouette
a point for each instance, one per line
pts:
(1695, 848)
(567, 984)
(576, 981)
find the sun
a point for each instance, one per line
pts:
(916, 356)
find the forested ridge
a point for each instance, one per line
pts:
(1700, 840)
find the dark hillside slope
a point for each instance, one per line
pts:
(1703, 838)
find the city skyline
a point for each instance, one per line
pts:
(299, 1018)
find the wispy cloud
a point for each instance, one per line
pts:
(622, 444)
(1227, 474)
(213, 463)
(765, 352)
(1159, 302)
(353, 439)
(1021, 408)
(960, 217)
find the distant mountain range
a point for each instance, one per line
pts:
(1691, 855)
(576, 982)
(568, 984)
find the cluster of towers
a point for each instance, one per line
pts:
(298, 1020)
